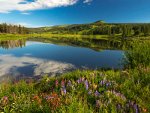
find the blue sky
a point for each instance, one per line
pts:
(35, 13)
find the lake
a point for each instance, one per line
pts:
(31, 58)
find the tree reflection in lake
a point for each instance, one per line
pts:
(8, 44)
(95, 44)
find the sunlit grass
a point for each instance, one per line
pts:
(81, 91)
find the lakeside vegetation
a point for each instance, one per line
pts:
(82, 91)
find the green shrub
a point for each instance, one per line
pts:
(138, 54)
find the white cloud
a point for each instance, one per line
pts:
(87, 1)
(7, 6)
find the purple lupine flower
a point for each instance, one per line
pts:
(136, 108)
(102, 82)
(86, 84)
(107, 84)
(118, 106)
(63, 91)
(79, 80)
(97, 103)
(97, 93)
(90, 92)
(69, 83)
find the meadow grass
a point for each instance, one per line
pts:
(80, 91)
(4, 37)
(48, 35)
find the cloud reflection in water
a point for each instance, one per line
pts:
(10, 64)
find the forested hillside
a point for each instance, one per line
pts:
(12, 29)
(98, 28)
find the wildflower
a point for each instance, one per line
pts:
(136, 108)
(79, 80)
(37, 98)
(56, 83)
(53, 100)
(5, 100)
(97, 103)
(86, 84)
(118, 106)
(62, 83)
(117, 94)
(144, 110)
(63, 91)
(48, 97)
(97, 93)
(102, 82)
(90, 92)
(69, 83)
(108, 84)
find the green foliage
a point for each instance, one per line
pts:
(107, 91)
(6, 37)
(138, 54)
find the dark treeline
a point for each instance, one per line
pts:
(99, 28)
(12, 29)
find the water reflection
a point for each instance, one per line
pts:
(30, 66)
(95, 44)
(30, 58)
(9, 44)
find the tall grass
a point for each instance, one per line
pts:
(138, 54)
(80, 91)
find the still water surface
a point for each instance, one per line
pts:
(31, 58)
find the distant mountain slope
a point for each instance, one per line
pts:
(67, 28)
(98, 28)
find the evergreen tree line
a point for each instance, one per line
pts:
(123, 29)
(12, 29)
